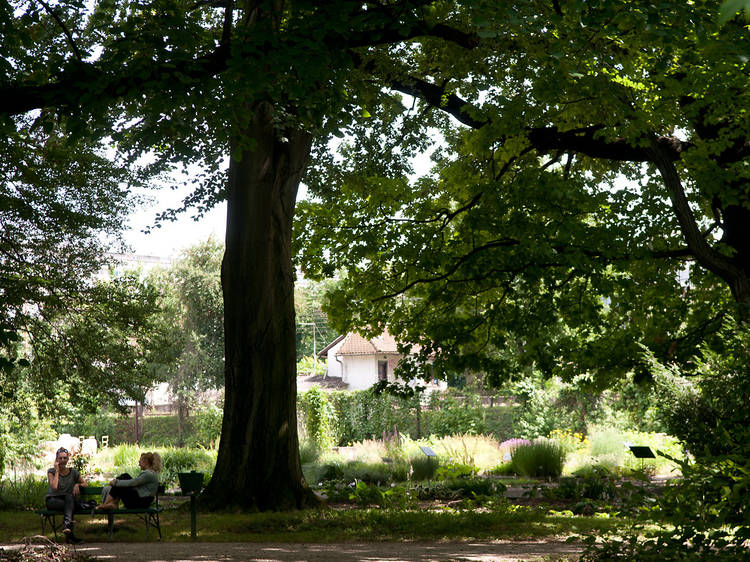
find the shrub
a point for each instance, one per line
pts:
(310, 365)
(370, 450)
(711, 400)
(206, 427)
(319, 417)
(308, 451)
(468, 487)
(591, 482)
(423, 467)
(400, 470)
(366, 415)
(100, 423)
(539, 459)
(569, 440)
(25, 493)
(707, 507)
(176, 460)
(451, 471)
(481, 451)
(372, 473)
(503, 469)
(512, 444)
(607, 442)
(126, 459)
(449, 415)
(365, 495)
(325, 472)
(458, 488)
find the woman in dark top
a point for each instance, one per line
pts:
(64, 490)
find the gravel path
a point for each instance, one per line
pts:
(338, 552)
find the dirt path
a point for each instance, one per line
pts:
(338, 552)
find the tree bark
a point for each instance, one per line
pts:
(258, 461)
(733, 274)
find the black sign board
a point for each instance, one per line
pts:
(642, 452)
(428, 451)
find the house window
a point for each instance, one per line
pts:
(382, 370)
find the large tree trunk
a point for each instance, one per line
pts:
(258, 462)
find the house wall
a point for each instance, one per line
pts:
(335, 367)
(360, 371)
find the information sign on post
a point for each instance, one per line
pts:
(428, 451)
(191, 484)
(642, 452)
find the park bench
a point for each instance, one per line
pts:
(149, 515)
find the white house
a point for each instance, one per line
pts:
(360, 362)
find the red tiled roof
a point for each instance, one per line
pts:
(354, 344)
(323, 353)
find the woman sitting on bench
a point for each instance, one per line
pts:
(63, 491)
(137, 492)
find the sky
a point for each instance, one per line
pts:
(172, 237)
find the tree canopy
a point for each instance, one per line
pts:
(589, 192)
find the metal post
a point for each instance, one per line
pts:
(192, 516)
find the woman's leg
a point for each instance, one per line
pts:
(66, 504)
(128, 495)
(134, 501)
(110, 502)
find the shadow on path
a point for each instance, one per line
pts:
(338, 552)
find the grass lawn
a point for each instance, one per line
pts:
(336, 525)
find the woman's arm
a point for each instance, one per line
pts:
(80, 483)
(54, 477)
(142, 478)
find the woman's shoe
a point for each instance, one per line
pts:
(70, 538)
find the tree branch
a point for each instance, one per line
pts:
(709, 258)
(503, 243)
(64, 28)
(584, 140)
(86, 77)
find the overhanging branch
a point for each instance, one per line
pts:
(584, 140)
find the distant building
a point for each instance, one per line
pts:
(360, 362)
(119, 263)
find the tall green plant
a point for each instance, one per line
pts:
(539, 459)
(126, 458)
(319, 418)
(207, 427)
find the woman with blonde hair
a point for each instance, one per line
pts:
(135, 492)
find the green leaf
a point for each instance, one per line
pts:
(731, 8)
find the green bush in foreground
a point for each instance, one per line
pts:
(539, 459)
(24, 493)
